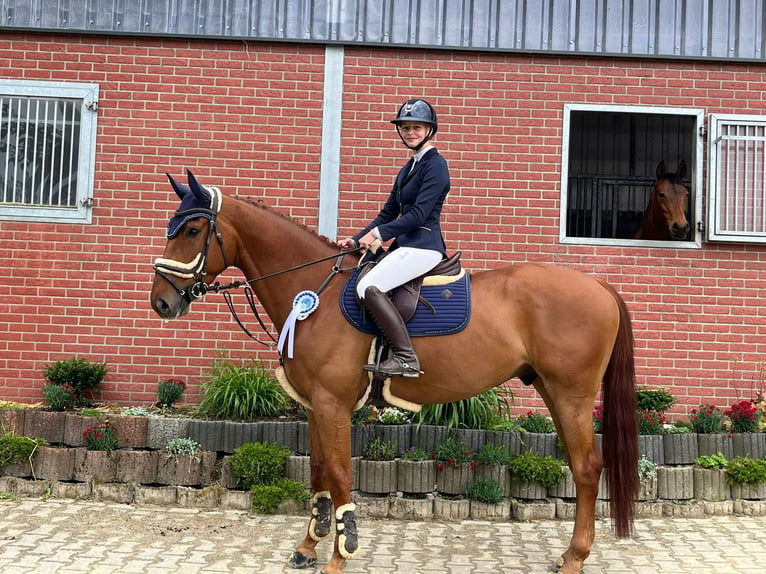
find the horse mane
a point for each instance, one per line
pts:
(259, 203)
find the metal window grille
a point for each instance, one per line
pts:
(737, 178)
(39, 151)
(47, 150)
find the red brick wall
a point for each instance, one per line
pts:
(247, 117)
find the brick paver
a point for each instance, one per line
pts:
(77, 537)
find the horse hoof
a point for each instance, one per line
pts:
(560, 562)
(299, 560)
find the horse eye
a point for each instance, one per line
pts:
(191, 232)
(661, 194)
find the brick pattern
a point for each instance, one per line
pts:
(247, 117)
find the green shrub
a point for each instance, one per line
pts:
(658, 399)
(80, 374)
(416, 453)
(268, 497)
(715, 461)
(492, 454)
(486, 490)
(537, 422)
(242, 392)
(483, 411)
(378, 449)
(746, 470)
(59, 397)
(259, 463)
(15, 448)
(680, 427)
(169, 391)
(530, 467)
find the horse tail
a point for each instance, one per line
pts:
(620, 425)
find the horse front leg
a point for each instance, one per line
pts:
(320, 523)
(331, 481)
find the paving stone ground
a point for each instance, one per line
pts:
(82, 537)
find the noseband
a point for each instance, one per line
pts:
(196, 268)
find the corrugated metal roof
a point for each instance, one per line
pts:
(732, 29)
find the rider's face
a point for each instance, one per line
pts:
(413, 132)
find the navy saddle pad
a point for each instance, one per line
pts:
(451, 301)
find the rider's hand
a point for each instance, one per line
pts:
(347, 243)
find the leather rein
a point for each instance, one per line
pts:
(197, 269)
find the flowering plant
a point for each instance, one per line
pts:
(598, 418)
(744, 417)
(100, 437)
(453, 453)
(650, 422)
(169, 391)
(392, 416)
(706, 420)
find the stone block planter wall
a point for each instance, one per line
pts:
(145, 473)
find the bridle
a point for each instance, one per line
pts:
(196, 269)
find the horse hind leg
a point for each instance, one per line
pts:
(574, 424)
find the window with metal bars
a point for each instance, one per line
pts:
(47, 150)
(737, 178)
(611, 157)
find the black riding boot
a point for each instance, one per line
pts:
(387, 318)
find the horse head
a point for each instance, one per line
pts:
(665, 216)
(189, 263)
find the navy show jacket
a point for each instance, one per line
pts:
(412, 211)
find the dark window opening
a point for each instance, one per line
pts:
(612, 159)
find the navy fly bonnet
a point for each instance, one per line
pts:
(196, 201)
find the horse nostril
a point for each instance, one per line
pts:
(161, 306)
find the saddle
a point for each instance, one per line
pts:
(406, 297)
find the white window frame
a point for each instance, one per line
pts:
(81, 211)
(753, 194)
(696, 172)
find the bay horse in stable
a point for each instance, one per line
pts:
(557, 329)
(665, 215)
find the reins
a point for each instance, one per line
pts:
(250, 297)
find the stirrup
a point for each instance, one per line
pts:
(402, 370)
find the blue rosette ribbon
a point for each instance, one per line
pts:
(304, 304)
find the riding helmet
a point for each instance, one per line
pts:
(417, 110)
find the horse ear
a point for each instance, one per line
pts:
(197, 188)
(661, 170)
(181, 190)
(681, 171)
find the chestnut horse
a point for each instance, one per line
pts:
(665, 215)
(558, 329)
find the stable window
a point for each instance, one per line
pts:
(737, 178)
(611, 158)
(47, 150)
